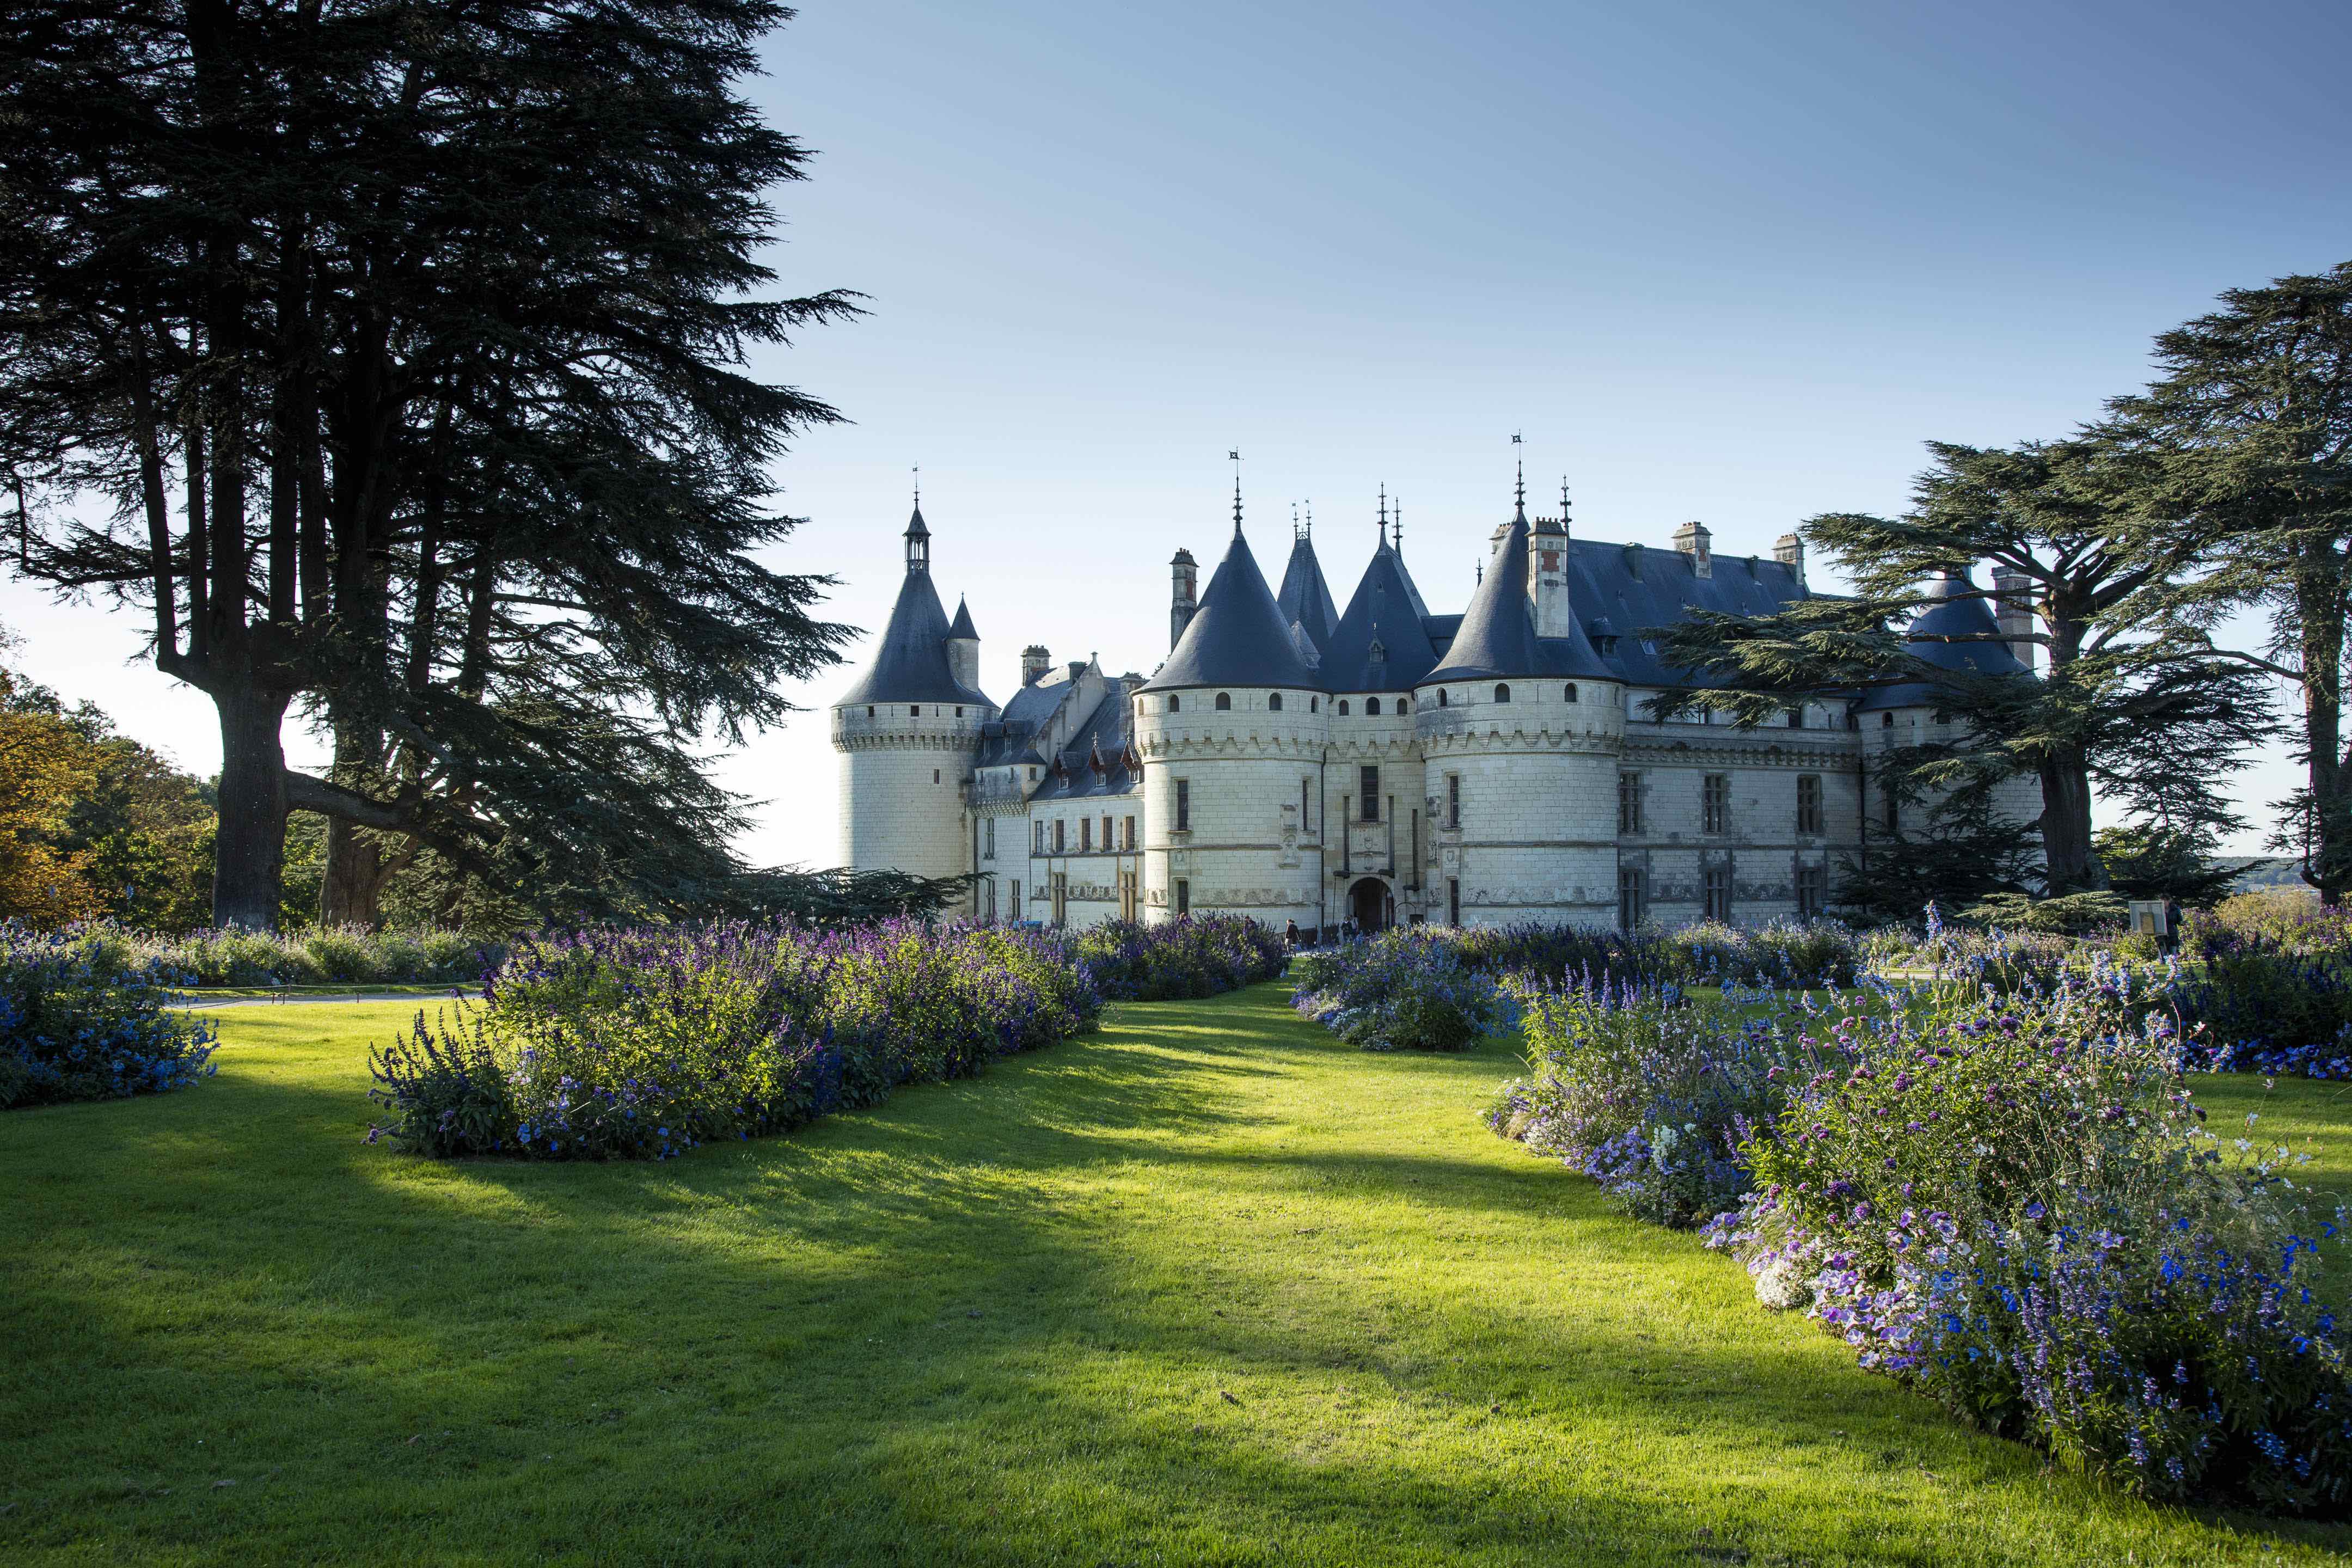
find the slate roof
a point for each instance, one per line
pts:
(1380, 617)
(1239, 636)
(1953, 615)
(1626, 590)
(1306, 598)
(962, 628)
(911, 664)
(1095, 762)
(1497, 637)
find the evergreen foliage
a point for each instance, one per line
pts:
(2247, 438)
(407, 343)
(2122, 706)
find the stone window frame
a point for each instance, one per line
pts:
(1629, 802)
(1809, 813)
(1715, 804)
(1715, 891)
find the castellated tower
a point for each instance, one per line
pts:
(908, 731)
(1904, 714)
(1232, 732)
(1520, 727)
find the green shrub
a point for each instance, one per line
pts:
(82, 1018)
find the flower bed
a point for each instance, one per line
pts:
(1650, 1094)
(2007, 1201)
(1202, 955)
(81, 1020)
(1407, 989)
(642, 1044)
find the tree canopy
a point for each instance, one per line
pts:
(403, 346)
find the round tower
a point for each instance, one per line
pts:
(1232, 732)
(1520, 726)
(907, 731)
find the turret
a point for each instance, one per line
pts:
(964, 647)
(906, 732)
(1035, 662)
(1184, 597)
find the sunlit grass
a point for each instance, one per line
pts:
(1209, 1287)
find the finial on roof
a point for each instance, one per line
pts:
(1482, 570)
(1236, 457)
(1294, 521)
(1519, 493)
(1310, 519)
(1382, 525)
(1563, 500)
(1396, 520)
(919, 487)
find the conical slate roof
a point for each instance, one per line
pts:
(1381, 620)
(1306, 598)
(1497, 639)
(911, 663)
(1952, 612)
(962, 628)
(1239, 636)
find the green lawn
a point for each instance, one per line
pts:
(1205, 1288)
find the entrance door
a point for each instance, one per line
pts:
(1368, 901)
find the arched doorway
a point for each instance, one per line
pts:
(1371, 906)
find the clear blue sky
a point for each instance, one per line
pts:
(1729, 262)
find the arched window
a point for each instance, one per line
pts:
(1315, 705)
(1371, 705)
(1502, 693)
(1175, 703)
(1225, 701)
(1343, 708)
(1887, 720)
(1274, 703)
(1404, 704)
(1569, 695)
(1440, 696)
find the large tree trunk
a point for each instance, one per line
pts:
(249, 852)
(2319, 616)
(2066, 826)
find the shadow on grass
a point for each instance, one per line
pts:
(993, 1321)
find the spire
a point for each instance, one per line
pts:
(1519, 492)
(1396, 521)
(1237, 456)
(1381, 527)
(1563, 501)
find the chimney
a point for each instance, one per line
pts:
(1035, 662)
(1789, 549)
(1184, 596)
(2013, 601)
(1547, 578)
(1691, 538)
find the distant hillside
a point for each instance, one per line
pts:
(2258, 872)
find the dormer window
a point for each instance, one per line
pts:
(1380, 651)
